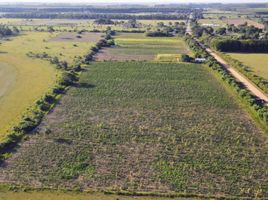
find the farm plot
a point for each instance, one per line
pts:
(241, 21)
(141, 126)
(74, 37)
(258, 62)
(133, 46)
(24, 79)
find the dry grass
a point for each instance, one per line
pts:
(74, 37)
(241, 21)
(138, 47)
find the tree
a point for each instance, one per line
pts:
(186, 58)
(50, 29)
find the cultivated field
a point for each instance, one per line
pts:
(212, 22)
(24, 79)
(136, 46)
(257, 62)
(141, 126)
(241, 21)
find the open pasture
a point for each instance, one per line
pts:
(258, 62)
(141, 126)
(7, 78)
(136, 46)
(23, 79)
(168, 57)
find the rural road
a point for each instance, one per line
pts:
(241, 78)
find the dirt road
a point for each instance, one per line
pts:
(247, 83)
(241, 78)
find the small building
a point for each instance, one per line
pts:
(200, 60)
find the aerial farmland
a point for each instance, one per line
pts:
(133, 101)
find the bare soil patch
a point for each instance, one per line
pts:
(74, 37)
(238, 22)
(109, 55)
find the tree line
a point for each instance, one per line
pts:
(7, 31)
(247, 46)
(42, 15)
(127, 9)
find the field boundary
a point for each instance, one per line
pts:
(18, 188)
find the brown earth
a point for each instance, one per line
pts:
(238, 22)
(74, 37)
(108, 55)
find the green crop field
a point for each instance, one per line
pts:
(141, 126)
(23, 79)
(211, 22)
(258, 62)
(136, 46)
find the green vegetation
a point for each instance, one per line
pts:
(138, 44)
(121, 110)
(25, 80)
(257, 62)
(250, 46)
(251, 65)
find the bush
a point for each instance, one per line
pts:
(186, 58)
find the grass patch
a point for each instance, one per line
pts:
(29, 79)
(256, 61)
(168, 57)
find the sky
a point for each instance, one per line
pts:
(135, 1)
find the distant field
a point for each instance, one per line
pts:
(154, 22)
(241, 21)
(257, 62)
(76, 24)
(72, 22)
(74, 37)
(211, 22)
(136, 46)
(23, 79)
(141, 126)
